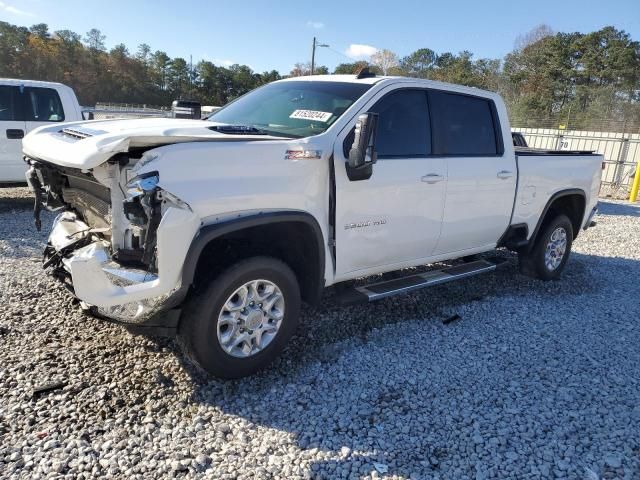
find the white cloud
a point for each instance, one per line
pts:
(16, 11)
(316, 25)
(223, 61)
(219, 61)
(358, 51)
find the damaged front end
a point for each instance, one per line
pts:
(119, 240)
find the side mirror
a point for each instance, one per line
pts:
(363, 148)
(362, 155)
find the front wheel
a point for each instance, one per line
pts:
(551, 250)
(242, 319)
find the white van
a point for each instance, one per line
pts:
(25, 105)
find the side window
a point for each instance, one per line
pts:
(403, 125)
(9, 104)
(462, 125)
(43, 105)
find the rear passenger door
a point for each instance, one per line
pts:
(42, 106)
(12, 129)
(481, 176)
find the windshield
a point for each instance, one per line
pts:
(292, 109)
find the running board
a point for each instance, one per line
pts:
(397, 286)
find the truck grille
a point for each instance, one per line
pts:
(93, 209)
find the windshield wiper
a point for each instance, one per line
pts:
(238, 130)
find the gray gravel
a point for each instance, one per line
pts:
(536, 380)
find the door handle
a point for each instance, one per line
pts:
(504, 174)
(15, 133)
(432, 178)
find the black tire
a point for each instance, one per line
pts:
(198, 334)
(533, 264)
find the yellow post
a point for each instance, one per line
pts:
(636, 184)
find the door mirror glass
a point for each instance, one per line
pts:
(363, 151)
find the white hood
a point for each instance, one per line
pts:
(87, 144)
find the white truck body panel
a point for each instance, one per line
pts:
(12, 168)
(542, 176)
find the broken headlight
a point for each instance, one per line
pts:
(147, 182)
(139, 199)
(142, 207)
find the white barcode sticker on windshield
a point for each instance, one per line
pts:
(311, 115)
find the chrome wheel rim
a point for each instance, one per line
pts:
(556, 248)
(250, 318)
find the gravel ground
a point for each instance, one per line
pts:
(535, 380)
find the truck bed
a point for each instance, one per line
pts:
(544, 173)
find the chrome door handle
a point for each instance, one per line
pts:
(432, 178)
(504, 174)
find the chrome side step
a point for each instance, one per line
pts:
(397, 286)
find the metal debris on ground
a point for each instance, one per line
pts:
(452, 318)
(380, 467)
(48, 387)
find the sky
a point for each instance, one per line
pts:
(276, 35)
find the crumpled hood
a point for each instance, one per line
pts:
(88, 144)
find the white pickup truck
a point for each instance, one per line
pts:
(216, 230)
(24, 106)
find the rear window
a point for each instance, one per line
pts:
(462, 125)
(10, 104)
(43, 105)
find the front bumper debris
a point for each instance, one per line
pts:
(81, 258)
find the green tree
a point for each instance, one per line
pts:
(420, 63)
(95, 40)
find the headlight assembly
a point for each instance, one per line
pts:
(145, 183)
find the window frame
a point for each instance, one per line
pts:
(426, 104)
(27, 107)
(348, 139)
(497, 129)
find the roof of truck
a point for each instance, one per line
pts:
(335, 78)
(370, 80)
(31, 83)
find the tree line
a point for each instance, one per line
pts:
(575, 78)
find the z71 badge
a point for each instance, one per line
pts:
(369, 223)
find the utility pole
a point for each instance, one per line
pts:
(313, 53)
(190, 73)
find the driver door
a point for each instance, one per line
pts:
(392, 219)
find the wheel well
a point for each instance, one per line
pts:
(294, 243)
(572, 206)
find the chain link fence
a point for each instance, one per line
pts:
(107, 111)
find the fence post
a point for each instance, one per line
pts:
(622, 158)
(636, 184)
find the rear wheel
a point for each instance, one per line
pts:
(242, 319)
(550, 252)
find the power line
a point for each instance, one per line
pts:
(340, 53)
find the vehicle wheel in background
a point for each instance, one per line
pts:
(242, 319)
(551, 250)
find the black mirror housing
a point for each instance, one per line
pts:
(363, 153)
